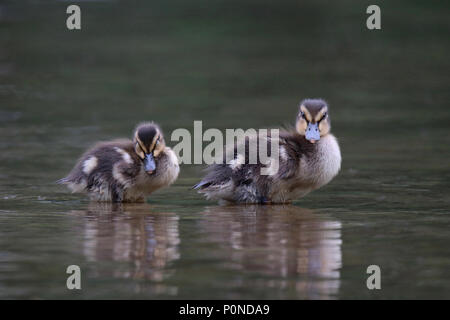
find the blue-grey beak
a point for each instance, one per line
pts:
(312, 132)
(149, 163)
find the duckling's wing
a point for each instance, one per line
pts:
(106, 167)
(240, 173)
(238, 179)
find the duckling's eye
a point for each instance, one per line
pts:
(303, 115)
(324, 116)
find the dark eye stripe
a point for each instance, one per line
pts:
(324, 116)
(303, 116)
(140, 147)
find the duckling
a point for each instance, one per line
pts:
(124, 170)
(308, 158)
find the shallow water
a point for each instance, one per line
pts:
(230, 65)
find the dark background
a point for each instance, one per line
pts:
(231, 64)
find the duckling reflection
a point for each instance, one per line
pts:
(146, 242)
(291, 247)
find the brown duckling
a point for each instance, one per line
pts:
(125, 170)
(308, 158)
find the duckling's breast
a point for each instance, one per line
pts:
(166, 172)
(171, 167)
(317, 167)
(323, 164)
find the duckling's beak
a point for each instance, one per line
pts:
(312, 132)
(149, 163)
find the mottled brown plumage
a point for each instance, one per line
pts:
(306, 161)
(125, 170)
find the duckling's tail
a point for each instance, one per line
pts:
(73, 185)
(202, 185)
(62, 181)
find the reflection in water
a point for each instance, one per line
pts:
(292, 248)
(146, 242)
(267, 251)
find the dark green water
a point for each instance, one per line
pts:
(232, 65)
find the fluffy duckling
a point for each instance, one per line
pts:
(125, 170)
(308, 158)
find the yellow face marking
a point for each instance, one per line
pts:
(301, 126)
(320, 114)
(324, 128)
(306, 112)
(138, 150)
(159, 147)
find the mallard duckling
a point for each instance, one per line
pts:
(308, 158)
(125, 170)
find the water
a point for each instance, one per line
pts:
(231, 65)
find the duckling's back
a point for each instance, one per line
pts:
(104, 170)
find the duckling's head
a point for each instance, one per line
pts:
(148, 144)
(312, 120)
